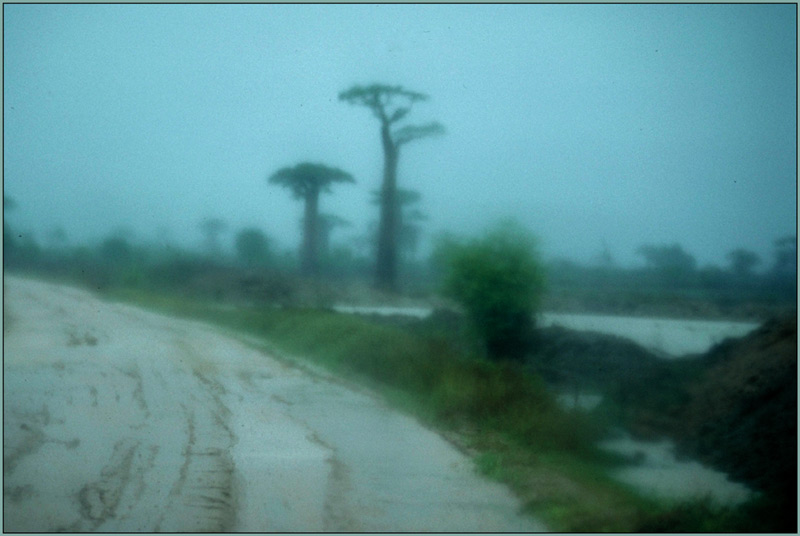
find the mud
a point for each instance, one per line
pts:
(121, 420)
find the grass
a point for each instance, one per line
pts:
(502, 416)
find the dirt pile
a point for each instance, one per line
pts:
(742, 413)
(590, 360)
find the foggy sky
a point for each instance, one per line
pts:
(628, 124)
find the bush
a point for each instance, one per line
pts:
(499, 280)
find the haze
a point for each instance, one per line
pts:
(623, 124)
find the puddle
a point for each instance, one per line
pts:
(655, 471)
(417, 312)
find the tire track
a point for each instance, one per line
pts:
(99, 500)
(203, 492)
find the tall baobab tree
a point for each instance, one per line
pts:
(408, 219)
(390, 104)
(307, 181)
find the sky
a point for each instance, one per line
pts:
(589, 124)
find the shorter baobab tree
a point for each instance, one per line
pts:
(306, 181)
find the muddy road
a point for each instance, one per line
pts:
(118, 419)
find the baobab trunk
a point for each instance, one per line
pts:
(386, 265)
(308, 262)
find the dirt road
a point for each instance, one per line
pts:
(117, 419)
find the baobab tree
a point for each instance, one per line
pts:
(307, 181)
(390, 104)
(785, 256)
(742, 262)
(408, 218)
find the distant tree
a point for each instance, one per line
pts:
(252, 247)
(124, 231)
(605, 259)
(9, 203)
(307, 181)
(165, 241)
(390, 104)
(212, 228)
(785, 263)
(670, 258)
(713, 277)
(20, 249)
(116, 251)
(742, 262)
(671, 264)
(499, 280)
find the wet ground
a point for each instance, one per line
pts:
(117, 419)
(656, 471)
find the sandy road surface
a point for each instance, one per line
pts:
(117, 419)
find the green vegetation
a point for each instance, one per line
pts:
(499, 280)
(501, 411)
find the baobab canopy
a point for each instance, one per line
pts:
(379, 96)
(383, 100)
(307, 177)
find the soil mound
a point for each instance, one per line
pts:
(742, 412)
(590, 359)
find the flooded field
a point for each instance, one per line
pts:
(656, 471)
(666, 337)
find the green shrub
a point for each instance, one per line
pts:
(499, 280)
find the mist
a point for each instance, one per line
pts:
(597, 127)
(400, 268)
